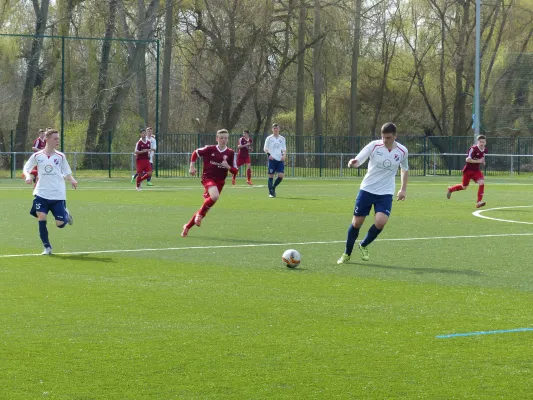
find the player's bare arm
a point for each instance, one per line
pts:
(403, 189)
(192, 169)
(72, 181)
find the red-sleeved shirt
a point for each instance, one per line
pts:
(39, 143)
(475, 154)
(213, 157)
(244, 152)
(143, 146)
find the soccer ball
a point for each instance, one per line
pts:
(291, 258)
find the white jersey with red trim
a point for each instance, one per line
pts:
(52, 171)
(382, 166)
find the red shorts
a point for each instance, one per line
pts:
(143, 166)
(211, 182)
(242, 161)
(472, 175)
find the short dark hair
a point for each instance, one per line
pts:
(275, 125)
(388, 127)
(142, 130)
(42, 130)
(246, 131)
(481, 137)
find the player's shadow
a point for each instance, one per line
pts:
(84, 257)
(424, 270)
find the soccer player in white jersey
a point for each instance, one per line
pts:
(50, 193)
(275, 149)
(377, 187)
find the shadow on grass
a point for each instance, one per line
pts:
(84, 257)
(424, 270)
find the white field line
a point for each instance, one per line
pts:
(478, 214)
(263, 245)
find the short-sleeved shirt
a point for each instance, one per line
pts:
(382, 167)
(52, 171)
(475, 154)
(213, 158)
(244, 152)
(275, 146)
(142, 145)
(39, 143)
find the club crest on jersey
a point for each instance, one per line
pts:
(48, 168)
(56, 161)
(396, 157)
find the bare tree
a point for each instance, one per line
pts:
(167, 58)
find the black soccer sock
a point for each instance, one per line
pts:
(372, 234)
(278, 181)
(270, 184)
(353, 232)
(43, 233)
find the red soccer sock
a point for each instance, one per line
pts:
(190, 224)
(141, 178)
(249, 174)
(456, 188)
(208, 203)
(480, 192)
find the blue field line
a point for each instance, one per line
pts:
(484, 333)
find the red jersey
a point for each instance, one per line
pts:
(475, 154)
(213, 157)
(143, 146)
(244, 152)
(39, 143)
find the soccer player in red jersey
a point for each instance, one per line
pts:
(142, 151)
(38, 145)
(243, 156)
(472, 170)
(218, 160)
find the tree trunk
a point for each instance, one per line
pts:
(167, 58)
(97, 109)
(317, 84)
(355, 62)
(21, 134)
(459, 117)
(300, 82)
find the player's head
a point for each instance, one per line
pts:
(143, 133)
(52, 138)
(275, 129)
(149, 131)
(222, 137)
(388, 134)
(41, 133)
(481, 140)
(246, 132)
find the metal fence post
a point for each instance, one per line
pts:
(340, 174)
(75, 163)
(109, 150)
(512, 164)
(434, 164)
(12, 156)
(293, 162)
(425, 154)
(132, 164)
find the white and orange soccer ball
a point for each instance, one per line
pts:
(291, 258)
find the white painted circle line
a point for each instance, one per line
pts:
(478, 214)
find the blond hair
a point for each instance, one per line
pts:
(222, 132)
(50, 133)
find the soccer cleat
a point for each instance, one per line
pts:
(132, 179)
(198, 219)
(344, 259)
(271, 195)
(480, 204)
(138, 188)
(185, 231)
(249, 183)
(233, 180)
(449, 194)
(47, 251)
(364, 253)
(70, 219)
(148, 183)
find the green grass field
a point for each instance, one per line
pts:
(127, 309)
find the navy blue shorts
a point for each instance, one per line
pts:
(57, 207)
(365, 200)
(276, 166)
